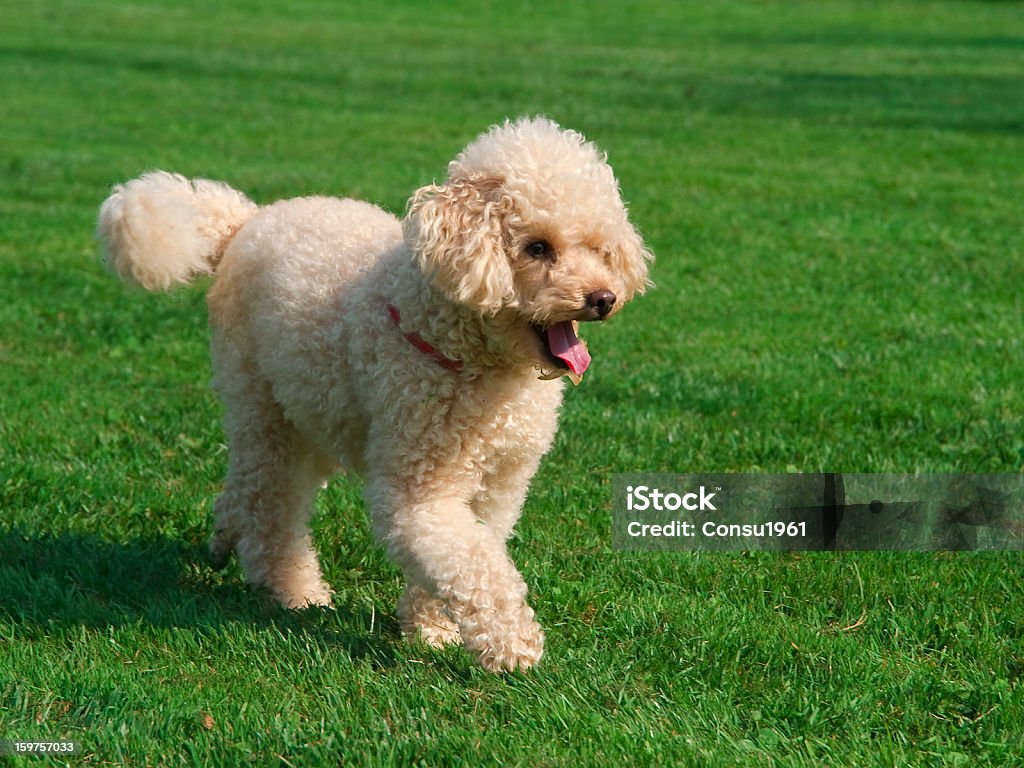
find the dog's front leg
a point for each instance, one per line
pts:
(442, 546)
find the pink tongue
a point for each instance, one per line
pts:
(566, 346)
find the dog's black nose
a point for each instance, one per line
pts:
(602, 301)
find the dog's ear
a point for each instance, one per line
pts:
(457, 234)
(628, 257)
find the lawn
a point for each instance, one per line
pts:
(833, 191)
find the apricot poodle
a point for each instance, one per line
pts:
(427, 354)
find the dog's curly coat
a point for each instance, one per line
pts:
(407, 351)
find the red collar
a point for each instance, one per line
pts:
(427, 349)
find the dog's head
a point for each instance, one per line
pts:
(530, 224)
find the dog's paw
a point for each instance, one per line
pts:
(426, 618)
(435, 634)
(510, 654)
(220, 549)
(319, 596)
(506, 646)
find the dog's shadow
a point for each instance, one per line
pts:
(83, 580)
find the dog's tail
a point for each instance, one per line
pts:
(162, 230)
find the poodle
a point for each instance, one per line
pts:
(426, 354)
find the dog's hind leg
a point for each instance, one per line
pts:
(264, 511)
(272, 481)
(276, 549)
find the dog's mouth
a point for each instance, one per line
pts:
(567, 353)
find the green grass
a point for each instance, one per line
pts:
(833, 191)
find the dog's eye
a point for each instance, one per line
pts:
(540, 249)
